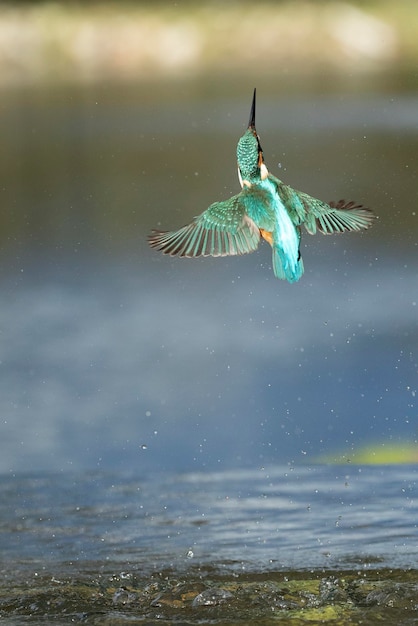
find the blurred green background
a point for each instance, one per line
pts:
(91, 41)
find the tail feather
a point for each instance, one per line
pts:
(286, 268)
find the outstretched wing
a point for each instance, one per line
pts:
(335, 217)
(223, 229)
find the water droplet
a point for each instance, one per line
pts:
(212, 597)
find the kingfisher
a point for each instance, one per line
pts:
(265, 208)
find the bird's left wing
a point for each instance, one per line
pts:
(223, 229)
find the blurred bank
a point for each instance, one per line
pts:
(143, 40)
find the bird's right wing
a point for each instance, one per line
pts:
(335, 217)
(223, 229)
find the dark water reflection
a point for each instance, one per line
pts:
(115, 357)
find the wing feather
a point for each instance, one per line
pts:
(344, 216)
(223, 229)
(335, 217)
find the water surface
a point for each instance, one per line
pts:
(149, 547)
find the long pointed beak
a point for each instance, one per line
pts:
(251, 126)
(251, 123)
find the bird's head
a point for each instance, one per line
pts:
(251, 165)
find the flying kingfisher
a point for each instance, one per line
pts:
(265, 208)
